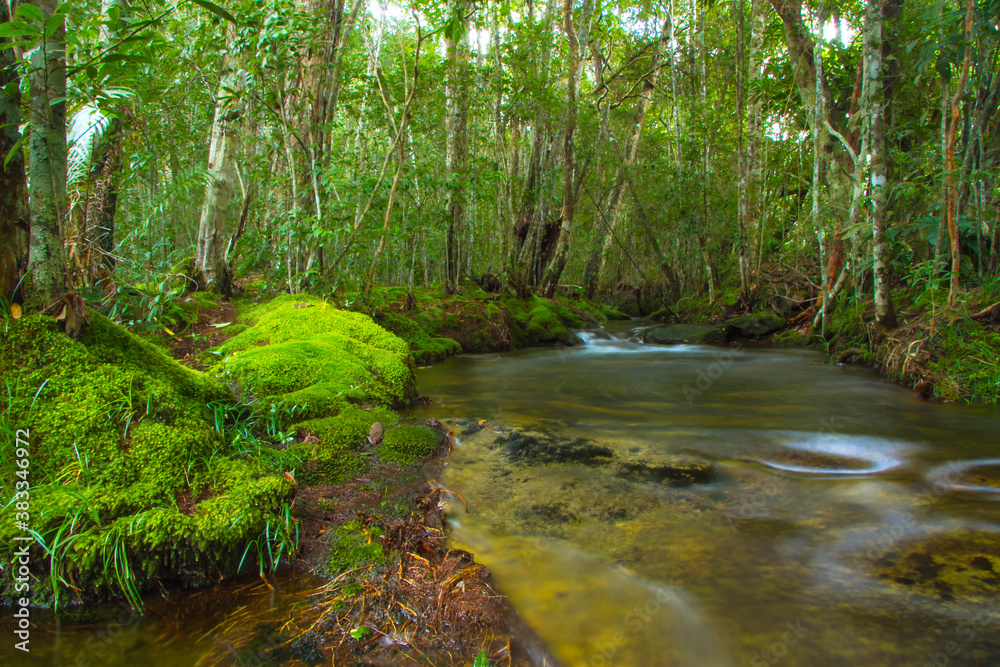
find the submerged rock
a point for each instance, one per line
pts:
(673, 472)
(541, 447)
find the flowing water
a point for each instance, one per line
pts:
(846, 521)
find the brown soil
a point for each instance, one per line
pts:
(188, 348)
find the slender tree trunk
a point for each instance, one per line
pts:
(671, 40)
(522, 261)
(578, 37)
(627, 162)
(885, 316)
(456, 141)
(47, 161)
(818, 114)
(108, 162)
(400, 145)
(211, 267)
(755, 163)
(742, 204)
(941, 251)
(956, 103)
(14, 214)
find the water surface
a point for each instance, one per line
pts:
(849, 522)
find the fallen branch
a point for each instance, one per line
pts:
(989, 312)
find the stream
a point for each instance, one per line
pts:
(745, 506)
(845, 520)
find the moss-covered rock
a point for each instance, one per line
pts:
(755, 325)
(131, 480)
(404, 445)
(690, 334)
(437, 324)
(331, 446)
(302, 351)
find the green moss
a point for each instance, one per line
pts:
(406, 444)
(790, 338)
(122, 448)
(302, 351)
(335, 456)
(425, 347)
(353, 546)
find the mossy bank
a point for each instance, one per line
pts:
(143, 471)
(438, 324)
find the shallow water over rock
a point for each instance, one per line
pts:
(839, 519)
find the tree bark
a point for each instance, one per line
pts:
(456, 139)
(755, 125)
(211, 265)
(885, 316)
(574, 72)
(47, 162)
(14, 214)
(956, 104)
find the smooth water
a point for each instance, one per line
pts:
(849, 522)
(239, 622)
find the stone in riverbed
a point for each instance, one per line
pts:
(672, 472)
(677, 334)
(753, 326)
(539, 447)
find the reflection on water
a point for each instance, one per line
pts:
(236, 623)
(848, 522)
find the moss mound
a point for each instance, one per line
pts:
(301, 351)
(131, 478)
(404, 445)
(331, 446)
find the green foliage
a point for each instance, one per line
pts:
(967, 361)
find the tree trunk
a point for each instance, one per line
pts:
(755, 130)
(47, 162)
(818, 114)
(885, 316)
(456, 139)
(522, 260)
(211, 266)
(956, 103)
(574, 72)
(631, 153)
(13, 182)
